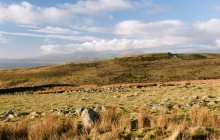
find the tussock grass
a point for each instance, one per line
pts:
(127, 117)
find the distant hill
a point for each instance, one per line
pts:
(64, 58)
(157, 67)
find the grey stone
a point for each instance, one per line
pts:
(10, 116)
(218, 99)
(9, 112)
(5, 114)
(201, 103)
(190, 104)
(166, 104)
(83, 99)
(157, 108)
(35, 114)
(54, 110)
(97, 108)
(206, 97)
(21, 114)
(89, 118)
(211, 103)
(150, 104)
(104, 107)
(80, 110)
(129, 95)
(193, 98)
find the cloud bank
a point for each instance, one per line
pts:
(26, 13)
(171, 35)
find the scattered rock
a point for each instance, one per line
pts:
(83, 99)
(211, 103)
(54, 110)
(89, 118)
(218, 99)
(157, 108)
(150, 104)
(116, 96)
(129, 95)
(5, 114)
(79, 110)
(167, 105)
(21, 114)
(97, 108)
(193, 98)
(201, 103)
(43, 114)
(206, 97)
(34, 114)
(10, 116)
(104, 107)
(190, 104)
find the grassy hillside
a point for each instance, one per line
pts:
(128, 69)
(151, 113)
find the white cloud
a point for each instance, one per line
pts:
(91, 29)
(150, 7)
(115, 45)
(2, 39)
(26, 13)
(55, 30)
(28, 26)
(95, 6)
(209, 27)
(139, 29)
(55, 36)
(22, 13)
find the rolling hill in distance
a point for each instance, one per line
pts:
(141, 68)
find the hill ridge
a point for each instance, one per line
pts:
(160, 67)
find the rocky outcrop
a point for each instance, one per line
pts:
(89, 118)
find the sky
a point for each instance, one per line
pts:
(42, 27)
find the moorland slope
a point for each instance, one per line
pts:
(143, 68)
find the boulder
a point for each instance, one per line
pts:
(5, 114)
(89, 118)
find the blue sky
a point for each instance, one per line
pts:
(38, 27)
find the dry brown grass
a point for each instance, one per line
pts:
(13, 132)
(115, 127)
(128, 121)
(135, 69)
(51, 128)
(143, 120)
(108, 117)
(200, 116)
